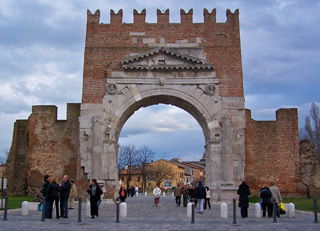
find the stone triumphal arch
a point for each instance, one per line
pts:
(194, 66)
(181, 77)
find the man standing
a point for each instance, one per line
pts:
(64, 195)
(177, 194)
(44, 190)
(201, 196)
(276, 196)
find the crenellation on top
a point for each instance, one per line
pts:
(210, 17)
(93, 18)
(139, 18)
(233, 17)
(163, 17)
(186, 18)
(116, 18)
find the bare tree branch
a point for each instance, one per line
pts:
(160, 171)
(145, 155)
(312, 128)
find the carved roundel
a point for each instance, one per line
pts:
(211, 89)
(112, 88)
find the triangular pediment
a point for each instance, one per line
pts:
(165, 59)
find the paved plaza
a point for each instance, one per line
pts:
(142, 215)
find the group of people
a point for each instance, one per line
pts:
(200, 196)
(54, 192)
(130, 191)
(67, 192)
(267, 195)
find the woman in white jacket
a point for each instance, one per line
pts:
(156, 193)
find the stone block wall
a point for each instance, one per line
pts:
(107, 44)
(272, 152)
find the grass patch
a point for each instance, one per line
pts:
(14, 202)
(304, 204)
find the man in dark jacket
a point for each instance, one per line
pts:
(43, 190)
(265, 195)
(201, 196)
(65, 187)
(243, 193)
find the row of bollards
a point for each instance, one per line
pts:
(223, 207)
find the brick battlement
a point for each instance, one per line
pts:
(162, 18)
(109, 43)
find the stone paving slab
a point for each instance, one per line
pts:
(143, 215)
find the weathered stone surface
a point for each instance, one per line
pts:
(310, 169)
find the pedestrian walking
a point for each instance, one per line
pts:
(243, 192)
(137, 190)
(95, 192)
(266, 203)
(156, 193)
(65, 187)
(132, 191)
(122, 194)
(177, 194)
(276, 195)
(73, 194)
(44, 190)
(53, 195)
(200, 196)
(208, 198)
(185, 193)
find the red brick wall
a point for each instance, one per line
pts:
(107, 44)
(272, 151)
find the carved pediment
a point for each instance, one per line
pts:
(165, 59)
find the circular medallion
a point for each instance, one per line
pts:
(111, 88)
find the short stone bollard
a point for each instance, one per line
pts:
(189, 209)
(292, 210)
(164, 194)
(146, 194)
(123, 209)
(25, 208)
(224, 210)
(88, 210)
(257, 210)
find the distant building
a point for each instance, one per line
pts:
(194, 171)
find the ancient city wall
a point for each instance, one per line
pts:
(272, 151)
(16, 165)
(43, 145)
(107, 44)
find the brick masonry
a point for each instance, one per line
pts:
(44, 145)
(107, 44)
(272, 151)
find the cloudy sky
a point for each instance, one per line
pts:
(41, 63)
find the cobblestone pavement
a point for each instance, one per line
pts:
(142, 215)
